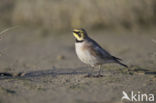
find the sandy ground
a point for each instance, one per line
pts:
(37, 66)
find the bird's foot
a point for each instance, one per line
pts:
(88, 76)
(98, 76)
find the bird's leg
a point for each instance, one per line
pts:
(99, 72)
(90, 74)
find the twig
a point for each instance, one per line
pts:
(6, 30)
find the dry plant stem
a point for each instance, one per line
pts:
(8, 29)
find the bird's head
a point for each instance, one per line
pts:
(80, 34)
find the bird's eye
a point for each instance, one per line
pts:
(79, 34)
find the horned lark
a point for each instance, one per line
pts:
(91, 53)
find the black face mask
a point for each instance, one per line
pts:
(78, 33)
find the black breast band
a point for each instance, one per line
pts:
(79, 41)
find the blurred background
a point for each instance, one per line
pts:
(59, 15)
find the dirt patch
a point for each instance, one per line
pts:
(39, 68)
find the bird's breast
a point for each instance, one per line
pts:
(84, 54)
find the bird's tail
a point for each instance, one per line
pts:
(118, 61)
(122, 64)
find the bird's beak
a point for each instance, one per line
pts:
(74, 31)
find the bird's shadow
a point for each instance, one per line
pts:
(137, 69)
(64, 71)
(40, 73)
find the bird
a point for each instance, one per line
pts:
(91, 53)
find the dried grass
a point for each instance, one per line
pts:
(66, 14)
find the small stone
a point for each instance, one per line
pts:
(60, 57)
(141, 73)
(21, 74)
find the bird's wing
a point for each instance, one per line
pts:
(97, 50)
(103, 52)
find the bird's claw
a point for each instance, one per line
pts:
(98, 75)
